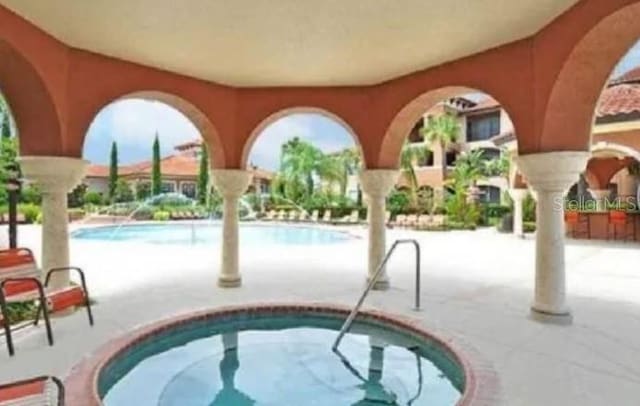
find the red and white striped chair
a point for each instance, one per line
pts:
(20, 281)
(40, 391)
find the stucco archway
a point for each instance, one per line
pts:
(35, 114)
(570, 110)
(272, 118)
(206, 128)
(404, 120)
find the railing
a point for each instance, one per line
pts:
(349, 321)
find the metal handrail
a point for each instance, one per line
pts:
(349, 321)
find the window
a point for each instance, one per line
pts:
(168, 187)
(483, 127)
(188, 189)
(416, 133)
(489, 194)
(451, 157)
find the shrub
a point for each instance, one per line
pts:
(93, 198)
(398, 202)
(18, 312)
(75, 214)
(30, 212)
(529, 209)
(529, 226)
(144, 213)
(123, 191)
(495, 210)
(161, 215)
(76, 197)
(31, 194)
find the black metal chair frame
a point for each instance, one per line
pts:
(42, 300)
(57, 382)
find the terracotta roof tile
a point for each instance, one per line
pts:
(632, 76)
(619, 99)
(97, 171)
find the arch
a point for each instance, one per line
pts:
(34, 111)
(404, 120)
(206, 128)
(273, 117)
(570, 110)
(617, 150)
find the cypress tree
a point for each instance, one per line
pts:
(5, 130)
(156, 176)
(203, 175)
(113, 170)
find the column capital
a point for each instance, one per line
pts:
(231, 183)
(54, 173)
(553, 171)
(600, 193)
(378, 182)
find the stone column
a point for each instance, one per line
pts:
(376, 184)
(231, 183)
(551, 174)
(518, 196)
(55, 176)
(600, 196)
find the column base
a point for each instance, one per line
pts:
(560, 319)
(230, 282)
(381, 284)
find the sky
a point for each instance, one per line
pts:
(134, 123)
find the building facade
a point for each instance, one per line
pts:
(179, 173)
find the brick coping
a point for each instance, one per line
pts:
(482, 386)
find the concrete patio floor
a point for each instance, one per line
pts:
(476, 286)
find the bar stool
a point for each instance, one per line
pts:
(578, 224)
(620, 219)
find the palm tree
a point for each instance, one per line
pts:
(499, 166)
(412, 153)
(444, 130)
(347, 162)
(300, 162)
(470, 167)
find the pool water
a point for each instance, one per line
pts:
(281, 360)
(211, 233)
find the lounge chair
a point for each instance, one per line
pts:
(271, 215)
(20, 282)
(353, 218)
(303, 216)
(293, 215)
(314, 216)
(281, 215)
(42, 390)
(326, 216)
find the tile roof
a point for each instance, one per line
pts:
(619, 99)
(631, 76)
(485, 104)
(178, 165)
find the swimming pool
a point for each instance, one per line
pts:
(280, 355)
(210, 233)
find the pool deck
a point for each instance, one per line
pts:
(477, 287)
